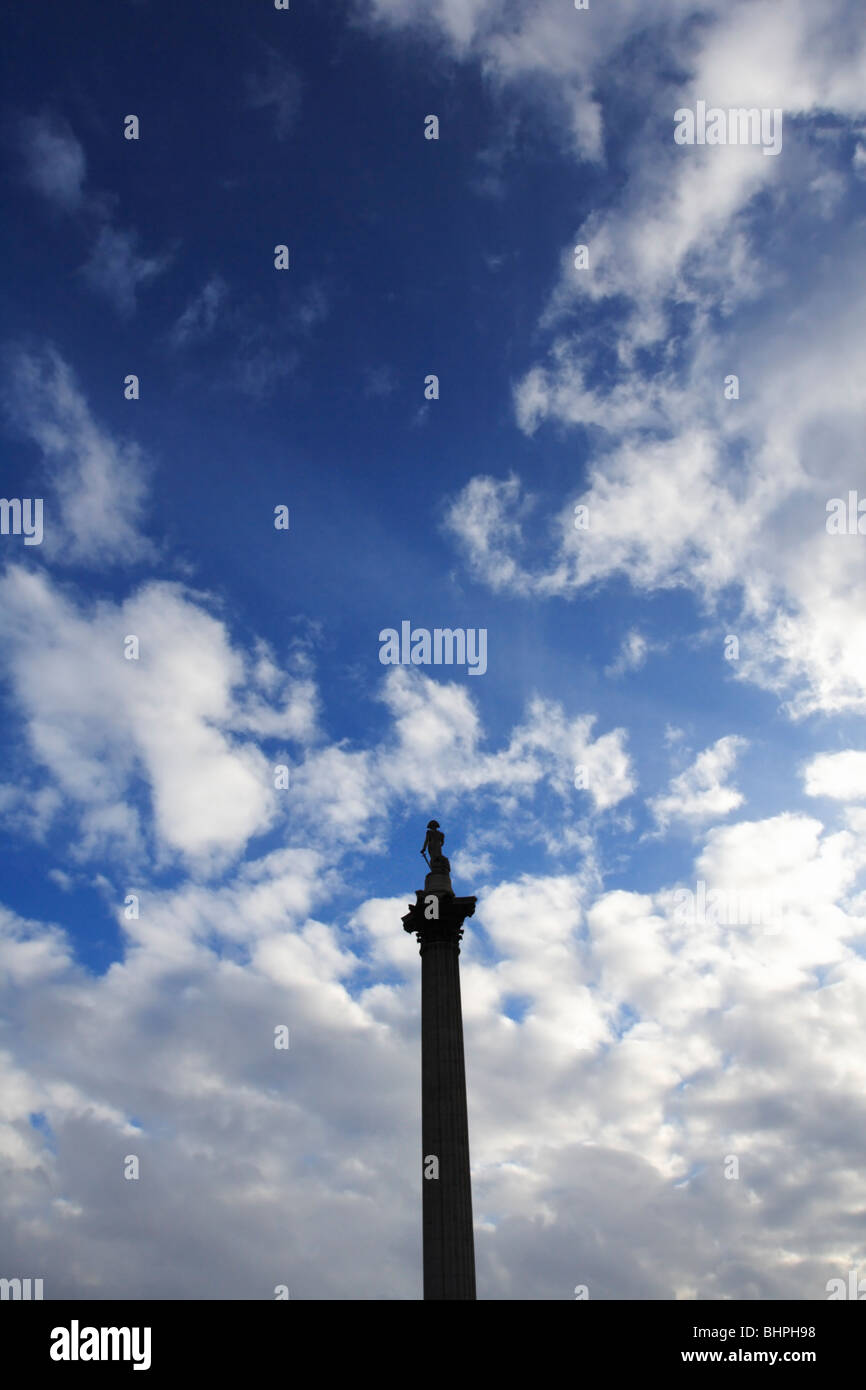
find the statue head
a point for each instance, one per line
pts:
(432, 825)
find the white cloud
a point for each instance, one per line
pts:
(648, 1048)
(633, 652)
(295, 718)
(434, 748)
(485, 517)
(700, 792)
(458, 20)
(733, 496)
(28, 811)
(97, 721)
(839, 775)
(184, 717)
(438, 746)
(96, 510)
(686, 488)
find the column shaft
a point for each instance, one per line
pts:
(449, 1247)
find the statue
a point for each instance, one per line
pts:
(437, 915)
(433, 841)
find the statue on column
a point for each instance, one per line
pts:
(433, 841)
(445, 923)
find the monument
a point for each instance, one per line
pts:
(436, 917)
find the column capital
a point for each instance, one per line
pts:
(439, 925)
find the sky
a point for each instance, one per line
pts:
(624, 466)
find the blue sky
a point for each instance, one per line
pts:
(617, 1054)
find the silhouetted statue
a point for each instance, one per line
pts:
(433, 841)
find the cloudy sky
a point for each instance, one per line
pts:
(622, 476)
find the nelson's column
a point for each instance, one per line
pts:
(436, 917)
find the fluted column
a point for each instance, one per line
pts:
(449, 1247)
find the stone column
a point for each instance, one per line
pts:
(437, 919)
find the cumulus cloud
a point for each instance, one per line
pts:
(435, 748)
(687, 486)
(700, 793)
(647, 1053)
(188, 715)
(605, 1034)
(486, 520)
(438, 746)
(619, 1052)
(838, 775)
(97, 721)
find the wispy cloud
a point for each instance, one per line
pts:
(116, 269)
(379, 381)
(99, 483)
(313, 307)
(257, 369)
(199, 318)
(633, 652)
(275, 88)
(55, 164)
(55, 167)
(258, 352)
